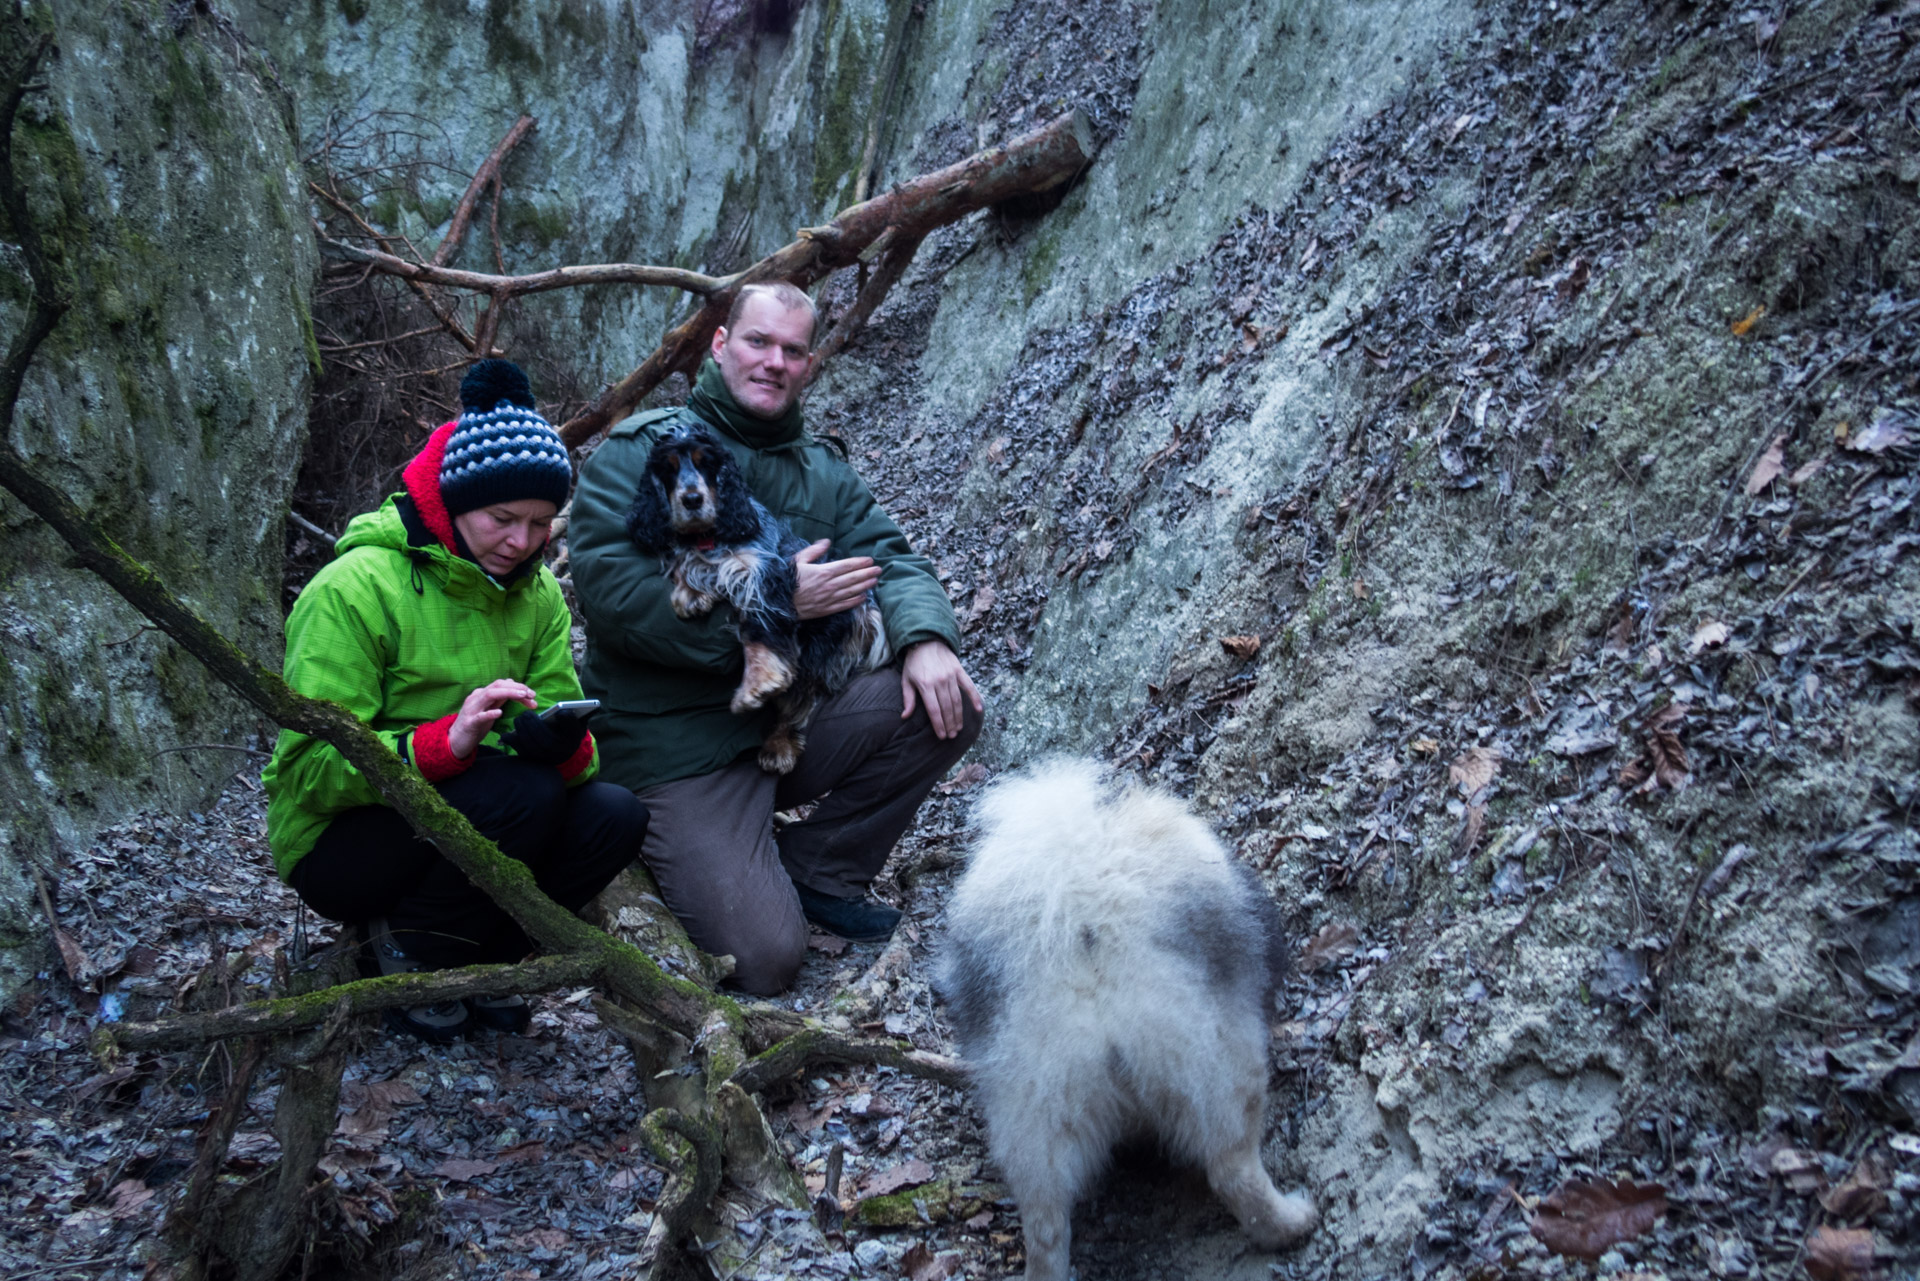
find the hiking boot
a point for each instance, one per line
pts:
(509, 1014)
(857, 920)
(439, 1023)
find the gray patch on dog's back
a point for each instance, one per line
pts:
(1279, 959)
(1234, 934)
(974, 988)
(1210, 928)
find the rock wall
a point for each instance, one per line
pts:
(170, 402)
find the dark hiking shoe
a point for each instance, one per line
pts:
(438, 1023)
(857, 920)
(502, 1013)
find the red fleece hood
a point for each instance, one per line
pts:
(422, 479)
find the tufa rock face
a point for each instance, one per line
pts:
(170, 403)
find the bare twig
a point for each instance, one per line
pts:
(893, 265)
(447, 320)
(613, 273)
(487, 175)
(312, 528)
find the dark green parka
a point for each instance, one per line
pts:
(665, 681)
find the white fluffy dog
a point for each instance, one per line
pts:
(1110, 972)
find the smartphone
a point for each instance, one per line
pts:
(575, 706)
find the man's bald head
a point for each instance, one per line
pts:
(789, 296)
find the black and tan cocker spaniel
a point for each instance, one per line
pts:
(717, 543)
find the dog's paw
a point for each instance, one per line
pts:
(688, 603)
(779, 756)
(767, 674)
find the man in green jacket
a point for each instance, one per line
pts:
(665, 729)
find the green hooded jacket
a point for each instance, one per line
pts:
(399, 630)
(664, 681)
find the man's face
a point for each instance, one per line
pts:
(765, 358)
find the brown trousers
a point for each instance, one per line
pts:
(727, 877)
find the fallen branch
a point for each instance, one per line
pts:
(487, 175)
(426, 273)
(362, 996)
(1046, 158)
(817, 1044)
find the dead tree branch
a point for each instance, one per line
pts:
(615, 273)
(894, 260)
(1039, 161)
(447, 319)
(487, 175)
(362, 996)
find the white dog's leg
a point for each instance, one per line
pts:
(1047, 1224)
(1272, 1220)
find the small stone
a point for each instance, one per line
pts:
(870, 1254)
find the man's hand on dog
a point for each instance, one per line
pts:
(820, 590)
(933, 675)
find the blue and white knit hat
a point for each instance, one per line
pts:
(501, 450)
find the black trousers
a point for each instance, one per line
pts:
(368, 863)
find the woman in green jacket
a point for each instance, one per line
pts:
(439, 626)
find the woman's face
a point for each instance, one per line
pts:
(501, 535)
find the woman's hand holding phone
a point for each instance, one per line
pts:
(480, 709)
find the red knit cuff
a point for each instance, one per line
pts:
(433, 754)
(581, 758)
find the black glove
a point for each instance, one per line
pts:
(546, 740)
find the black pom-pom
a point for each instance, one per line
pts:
(489, 382)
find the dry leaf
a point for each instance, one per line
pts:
(1474, 768)
(908, 1174)
(1664, 762)
(1586, 1220)
(1840, 1254)
(1706, 636)
(1241, 646)
(1472, 828)
(1885, 432)
(1670, 768)
(79, 967)
(127, 1198)
(1864, 1192)
(1332, 945)
(524, 1153)
(1425, 746)
(921, 1264)
(1803, 1171)
(971, 775)
(462, 1170)
(1744, 326)
(1620, 635)
(394, 1094)
(1808, 470)
(1771, 464)
(830, 944)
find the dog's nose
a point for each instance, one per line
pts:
(691, 500)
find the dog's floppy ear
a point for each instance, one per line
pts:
(647, 523)
(735, 521)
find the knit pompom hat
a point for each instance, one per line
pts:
(501, 451)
